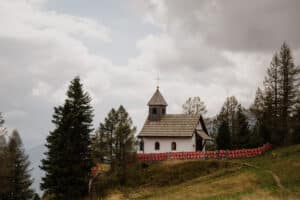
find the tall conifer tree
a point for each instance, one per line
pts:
(19, 172)
(223, 138)
(228, 114)
(289, 89)
(260, 108)
(4, 167)
(124, 144)
(68, 158)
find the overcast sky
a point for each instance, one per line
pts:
(210, 49)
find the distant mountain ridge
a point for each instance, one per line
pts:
(35, 156)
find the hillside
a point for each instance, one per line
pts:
(274, 175)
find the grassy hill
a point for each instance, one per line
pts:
(274, 175)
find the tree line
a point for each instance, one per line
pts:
(276, 109)
(274, 115)
(74, 147)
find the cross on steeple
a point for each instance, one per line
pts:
(157, 79)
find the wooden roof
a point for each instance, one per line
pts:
(171, 125)
(157, 99)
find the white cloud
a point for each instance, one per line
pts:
(202, 49)
(213, 48)
(23, 19)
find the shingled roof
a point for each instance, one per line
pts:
(171, 125)
(157, 99)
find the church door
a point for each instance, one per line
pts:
(198, 143)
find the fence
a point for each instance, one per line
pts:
(220, 154)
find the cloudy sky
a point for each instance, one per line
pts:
(210, 49)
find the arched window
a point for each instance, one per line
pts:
(156, 146)
(173, 146)
(141, 145)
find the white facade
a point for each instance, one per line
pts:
(183, 144)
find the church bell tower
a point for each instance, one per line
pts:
(157, 106)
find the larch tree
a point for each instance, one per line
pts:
(261, 133)
(68, 158)
(19, 172)
(100, 146)
(289, 89)
(117, 132)
(271, 111)
(228, 114)
(243, 132)
(193, 106)
(105, 137)
(258, 106)
(124, 143)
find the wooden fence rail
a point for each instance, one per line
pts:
(219, 154)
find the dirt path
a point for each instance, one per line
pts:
(275, 177)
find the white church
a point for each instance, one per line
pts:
(164, 132)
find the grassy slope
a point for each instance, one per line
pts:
(252, 178)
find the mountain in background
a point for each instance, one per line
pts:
(35, 156)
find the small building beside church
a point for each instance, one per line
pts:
(163, 132)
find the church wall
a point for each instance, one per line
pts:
(182, 144)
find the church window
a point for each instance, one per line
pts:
(156, 146)
(154, 111)
(142, 145)
(173, 146)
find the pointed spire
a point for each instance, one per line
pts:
(157, 99)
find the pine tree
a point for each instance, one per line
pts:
(108, 130)
(4, 168)
(68, 158)
(256, 138)
(289, 89)
(99, 146)
(258, 106)
(228, 114)
(193, 106)
(19, 172)
(124, 143)
(223, 138)
(272, 83)
(272, 100)
(105, 138)
(117, 135)
(243, 132)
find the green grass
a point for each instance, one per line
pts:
(248, 179)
